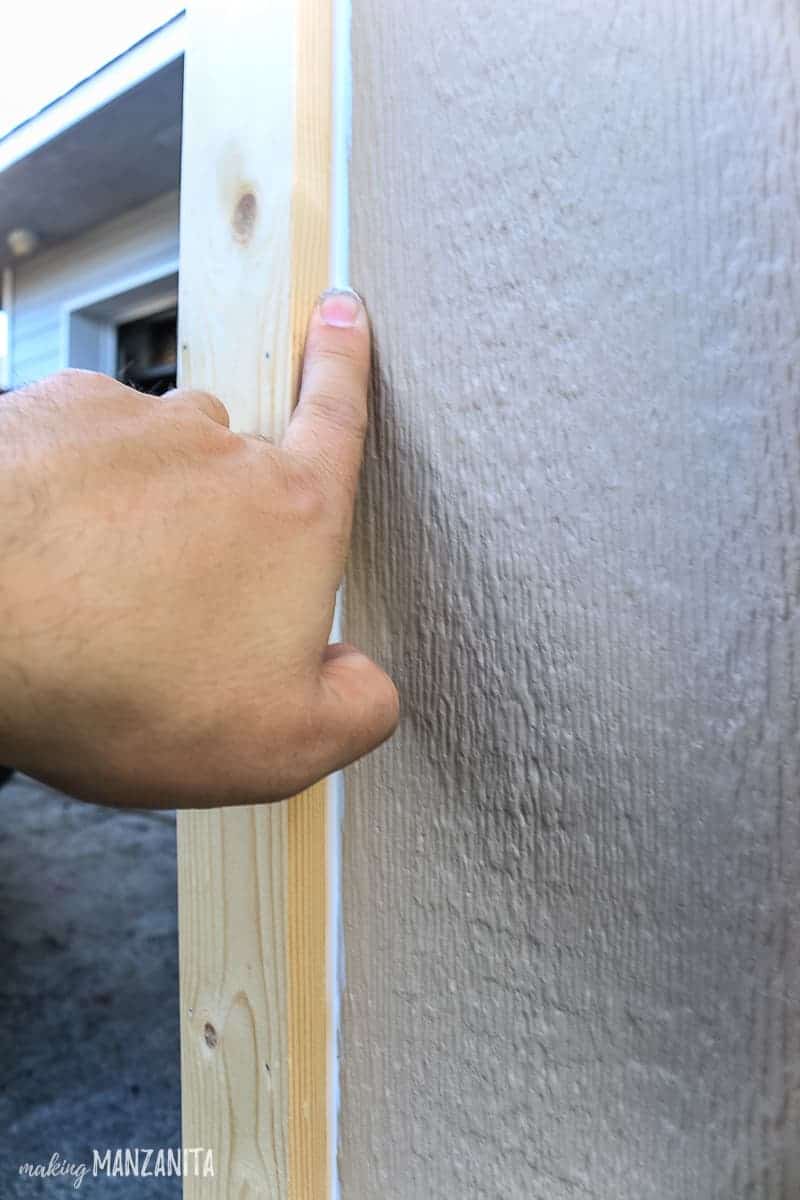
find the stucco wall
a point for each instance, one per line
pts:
(572, 881)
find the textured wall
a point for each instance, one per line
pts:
(573, 879)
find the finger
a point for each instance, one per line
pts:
(360, 706)
(212, 406)
(327, 427)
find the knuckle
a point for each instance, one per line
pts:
(338, 351)
(74, 385)
(74, 379)
(341, 410)
(189, 427)
(180, 412)
(190, 412)
(203, 399)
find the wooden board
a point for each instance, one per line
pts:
(572, 879)
(252, 882)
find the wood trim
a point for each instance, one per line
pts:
(308, 1025)
(252, 882)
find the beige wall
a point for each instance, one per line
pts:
(572, 894)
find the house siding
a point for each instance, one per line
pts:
(571, 881)
(111, 254)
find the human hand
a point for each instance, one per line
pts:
(167, 586)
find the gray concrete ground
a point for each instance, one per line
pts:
(89, 1048)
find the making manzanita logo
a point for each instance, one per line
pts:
(138, 1162)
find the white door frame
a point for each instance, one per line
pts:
(89, 322)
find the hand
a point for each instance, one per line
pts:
(167, 586)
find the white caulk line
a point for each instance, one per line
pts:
(341, 120)
(339, 272)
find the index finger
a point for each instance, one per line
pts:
(328, 425)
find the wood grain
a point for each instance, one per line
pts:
(572, 880)
(252, 881)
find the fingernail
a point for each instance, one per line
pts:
(340, 307)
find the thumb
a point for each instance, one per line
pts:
(360, 706)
